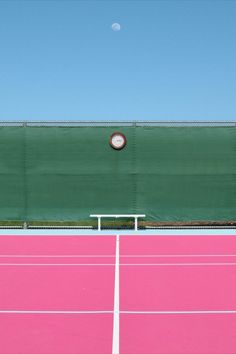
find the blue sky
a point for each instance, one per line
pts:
(171, 60)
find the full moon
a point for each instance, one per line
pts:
(115, 27)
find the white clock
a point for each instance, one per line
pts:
(117, 140)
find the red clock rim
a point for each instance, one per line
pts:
(123, 136)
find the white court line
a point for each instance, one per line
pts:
(55, 256)
(113, 256)
(176, 255)
(52, 312)
(61, 312)
(56, 264)
(113, 264)
(201, 312)
(176, 264)
(116, 316)
(94, 233)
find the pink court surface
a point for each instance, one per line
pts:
(140, 293)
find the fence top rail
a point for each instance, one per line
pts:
(113, 123)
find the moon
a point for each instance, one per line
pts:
(115, 27)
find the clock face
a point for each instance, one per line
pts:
(117, 141)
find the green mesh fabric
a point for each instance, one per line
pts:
(168, 173)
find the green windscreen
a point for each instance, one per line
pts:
(170, 173)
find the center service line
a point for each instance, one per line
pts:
(116, 316)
